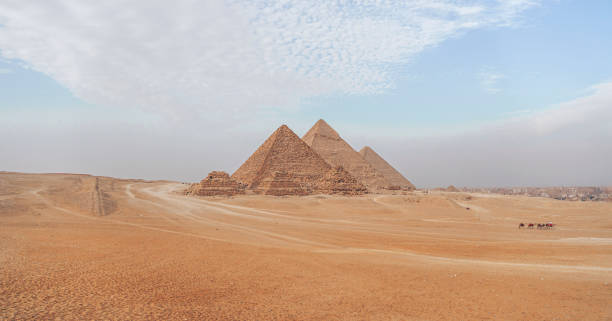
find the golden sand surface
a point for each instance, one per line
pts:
(78, 247)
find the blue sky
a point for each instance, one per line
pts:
(556, 51)
(401, 73)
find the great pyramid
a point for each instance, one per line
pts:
(391, 174)
(285, 165)
(327, 143)
(281, 183)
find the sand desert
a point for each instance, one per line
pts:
(79, 247)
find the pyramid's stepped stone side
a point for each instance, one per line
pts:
(335, 181)
(391, 174)
(283, 151)
(216, 184)
(286, 165)
(337, 152)
(339, 181)
(281, 183)
(249, 170)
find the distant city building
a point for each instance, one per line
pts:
(576, 193)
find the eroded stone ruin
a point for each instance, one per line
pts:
(217, 183)
(339, 181)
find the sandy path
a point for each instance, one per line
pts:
(128, 191)
(120, 222)
(205, 212)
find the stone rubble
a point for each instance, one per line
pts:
(217, 183)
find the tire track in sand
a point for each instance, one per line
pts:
(183, 206)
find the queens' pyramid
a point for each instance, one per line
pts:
(390, 173)
(326, 142)
(285, 165)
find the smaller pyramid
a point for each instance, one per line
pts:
(339, 181)
(394, 177)
(286, 165)
(326, 142)
(452, 188)
(215, 184)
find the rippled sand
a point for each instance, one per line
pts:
(79, 247)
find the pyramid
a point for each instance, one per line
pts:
(285, 165)
(452, 188)
(391, 174)
(215, 184)
(326, 142)
(281, 183)
(339, 181)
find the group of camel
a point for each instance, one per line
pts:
(540, 226)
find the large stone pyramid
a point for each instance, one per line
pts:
(285, 165)
(391, 174)
(327, 143)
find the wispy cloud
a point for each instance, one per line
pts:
(5, 71)
(489, 80)
(566, 144)
(236, 54)
(591, 112)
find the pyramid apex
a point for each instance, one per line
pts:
(322, 123)
(366, 150)
(282, 129)
(320, 128)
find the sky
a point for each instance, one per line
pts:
(470, 93)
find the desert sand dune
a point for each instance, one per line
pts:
(79, 247)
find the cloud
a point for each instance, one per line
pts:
(5, 71)
(489, 80)
(233, 55)
(590, 112)
(566, 144)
